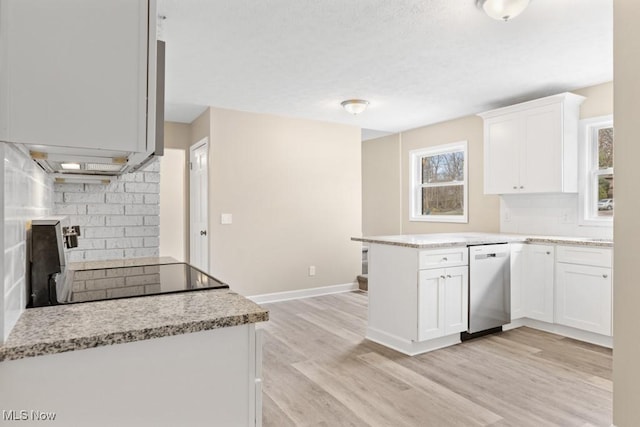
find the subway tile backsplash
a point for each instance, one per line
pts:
(117, 220)
(546, 214)
(28, 194)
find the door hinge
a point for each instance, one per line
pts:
(191, 165)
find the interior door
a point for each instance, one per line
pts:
(199, 201)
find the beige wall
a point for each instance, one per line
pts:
(173, 199)
(386, 205)
(381, 200)
(484, 211)
(174, 192)
(599, 100)
(293, 187)
(626, 354)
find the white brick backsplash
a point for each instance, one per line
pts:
(151, 177)
(141, 253)
(142, 210)
(151, 220)
(118, 220)
(75, 255)
(97, 255)
(27, 194)
(83, 198)
(151, 242)
(84, 243)
(142, 231)
(87, 220)
(105, 209)
(151, 199)
(124, 220)
(126, 198)
(137, 187)
(102, 232)
(126, 242)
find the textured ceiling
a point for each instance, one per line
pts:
(417, 62)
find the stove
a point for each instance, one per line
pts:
(77, 286)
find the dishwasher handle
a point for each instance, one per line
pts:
(491, 255)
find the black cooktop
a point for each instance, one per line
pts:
(135, 281)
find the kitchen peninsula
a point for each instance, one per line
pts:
(419, 287)
(177, 359)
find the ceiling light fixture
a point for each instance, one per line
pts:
(355, 106)
(503, 10)
(70, 166)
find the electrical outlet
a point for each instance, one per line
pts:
(312, 270)
(226, 218)
(566, 217)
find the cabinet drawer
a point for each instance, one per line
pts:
(597, 257)
(443, 258)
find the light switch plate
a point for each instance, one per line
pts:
(226, 218)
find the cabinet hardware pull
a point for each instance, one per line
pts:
(448, 276)
(515, 187)
(521, 187)
(445, 259)
(442, 277)
(605, 275)
(548, 253)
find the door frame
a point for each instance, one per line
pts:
(204, 142)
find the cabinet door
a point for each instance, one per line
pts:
(502, 137)
(430, 304)
(541, 150)
(76, 73)
(517, 281)
(583, 297)
(539, 282)
(456, 300)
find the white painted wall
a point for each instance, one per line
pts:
(173, 200)
(27, 194)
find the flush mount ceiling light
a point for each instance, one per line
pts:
(503, 10)
(355, 106)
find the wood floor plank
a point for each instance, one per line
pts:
(320, 371)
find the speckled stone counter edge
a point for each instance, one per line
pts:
(61, 346)
(548, 240)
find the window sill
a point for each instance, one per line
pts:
(444, 219)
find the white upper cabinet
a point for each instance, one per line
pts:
(532, 147)
(78, 74)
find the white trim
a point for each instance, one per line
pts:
(565, 331)
(303, 293)
(414, 156)
(586, 152)
(410, 348)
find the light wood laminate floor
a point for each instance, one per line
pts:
(320, 371)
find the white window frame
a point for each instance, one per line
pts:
(415, 186)
(588, 171)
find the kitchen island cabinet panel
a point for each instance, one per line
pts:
(202, 378)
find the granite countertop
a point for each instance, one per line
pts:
(441, 240)
(61, 328)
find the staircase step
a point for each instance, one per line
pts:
(363, 282)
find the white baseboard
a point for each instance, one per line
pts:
(303, 293)
(590, 337)
(411, 348)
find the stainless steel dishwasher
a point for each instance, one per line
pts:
(489, 288)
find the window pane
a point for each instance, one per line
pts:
(445, 167)
(605, 195)
(605, 148)
(447, 200)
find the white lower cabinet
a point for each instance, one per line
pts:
(583, 297)
(538, 292)
(443, 297)
(532, 276)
